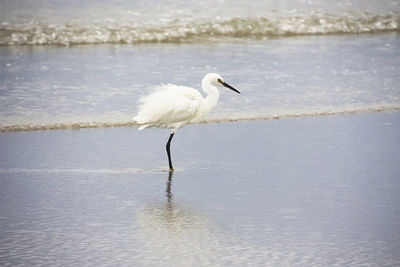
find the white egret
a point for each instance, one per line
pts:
(173, 106)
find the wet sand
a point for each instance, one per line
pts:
(294, 192)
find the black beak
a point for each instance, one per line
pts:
(230, 87)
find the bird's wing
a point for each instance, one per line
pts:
(169, 104)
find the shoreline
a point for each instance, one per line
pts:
(95, 125)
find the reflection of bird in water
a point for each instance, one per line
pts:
(172, 106)
(168, 191)
(175, 233)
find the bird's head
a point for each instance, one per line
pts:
(216, 80)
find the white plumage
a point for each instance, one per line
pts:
(170, 106)
(173, 106)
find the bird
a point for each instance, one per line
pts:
(173, 106)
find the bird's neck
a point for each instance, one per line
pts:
(210, 100)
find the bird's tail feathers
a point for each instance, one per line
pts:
(141, 122)
(141, 127)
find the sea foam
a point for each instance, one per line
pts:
(40, 32)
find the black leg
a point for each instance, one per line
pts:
(168, 151)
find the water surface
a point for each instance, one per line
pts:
(47, 87)
(310, 191)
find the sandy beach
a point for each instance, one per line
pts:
(318, 191)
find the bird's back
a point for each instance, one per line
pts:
(169, 106)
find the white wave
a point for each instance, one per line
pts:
(39, 32)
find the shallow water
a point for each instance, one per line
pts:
(295, 192)
(58, 87)
(304, 190)
(86, 63)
